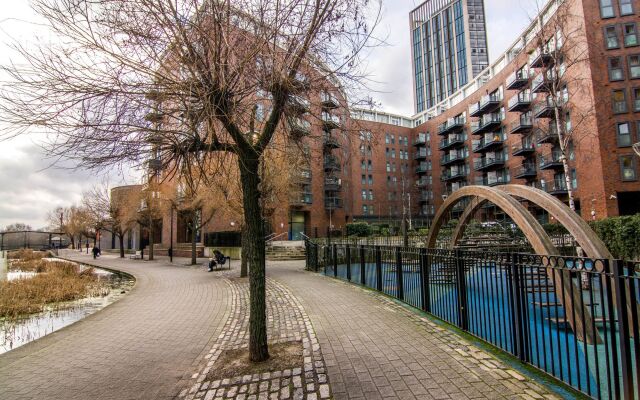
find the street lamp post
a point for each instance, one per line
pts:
(171, 237)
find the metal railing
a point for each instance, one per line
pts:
(515, 302)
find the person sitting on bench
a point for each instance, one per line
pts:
(218, 258)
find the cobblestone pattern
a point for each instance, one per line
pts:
(286, 321)
(375, 348)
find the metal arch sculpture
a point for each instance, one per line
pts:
(576, 226)
(568, 294)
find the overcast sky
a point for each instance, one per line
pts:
(29, 189)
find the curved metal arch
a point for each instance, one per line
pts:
(577, 227)
(568, 294)
(532, 230)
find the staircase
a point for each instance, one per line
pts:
(283, 251)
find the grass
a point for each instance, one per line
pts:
(56, 282)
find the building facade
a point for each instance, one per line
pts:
(575, 73)
(448, 48)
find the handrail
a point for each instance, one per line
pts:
(274, 237)
(305, 236)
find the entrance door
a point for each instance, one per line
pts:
(296, 225)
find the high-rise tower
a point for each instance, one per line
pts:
(449, 48)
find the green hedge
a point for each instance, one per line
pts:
(621, 235)
(361, 229)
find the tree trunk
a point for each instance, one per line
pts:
(563, 151)
(121, 239)
(151, 241)
(193, 242)
(243, 255)
(253, 242)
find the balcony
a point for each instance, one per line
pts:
(330, 121)
(451, 141)
(302, 199)
(487, 123)
(332, 203)
(303, 176)
(543, 82)
(450, 125)
(544, 109)
(488, 142)
(451, 175)
(421, 154)
(525, 171)
(154, 164)
(549, 135)
(492, 180)
(518, 79)
(424, 197)
(523, 124)
(557, 187)
(520, 102)
(329, 101)
(331, 163)
(422, 168)
(449, 158)
(298, 105)
(299, 127)
(422, 183)
(332, 184)
(421, 140)
(487, 163)
(301, 81)
(330, 142)
(489, 102)
(551, 161)
(524, 148)
(540, 58)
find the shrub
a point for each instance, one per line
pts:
(621, 235)
(361, 229)
(555, 229)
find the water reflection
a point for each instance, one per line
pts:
(15, 334)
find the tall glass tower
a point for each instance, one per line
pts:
(449, 48)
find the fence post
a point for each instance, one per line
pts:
(327, 259)
(348, 255)
(335, 260)
(518, 319)
(424, 281)
(363, 276)
(463, 315)
(378, 269)
(620, 289)
(399, 281)
(315, 256)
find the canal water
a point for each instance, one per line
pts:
(35, 326)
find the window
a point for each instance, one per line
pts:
(363, 165)
(611, 37)
(628, 168)
(364, 194)
(370, 179)
(387, 139)
(362, 149)
(619, 101)
(388, 166)
(393, 153)
(567, 122)
(634, 66)
(574, 179)
(386, 152)
(616, 73)
(393, 139)
(623, 134)
(370, 194)
(363, 180)
(636, 98)
(365, 210)
(606, 9)
(626, 7)
(630, 35)
(369, 166)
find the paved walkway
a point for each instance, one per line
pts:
(160, 339)
(144, 346)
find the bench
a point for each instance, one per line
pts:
(137, 256)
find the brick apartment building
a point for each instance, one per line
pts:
(497, 128)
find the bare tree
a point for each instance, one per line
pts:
(187, 81)
(111, 213)
(18, 226)
(562, 54)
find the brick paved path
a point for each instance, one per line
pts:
(143, 346)
(156, 341)
(374, 348)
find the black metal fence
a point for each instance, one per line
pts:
(32, 239)
(516, 302)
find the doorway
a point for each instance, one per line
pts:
(297, 220)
